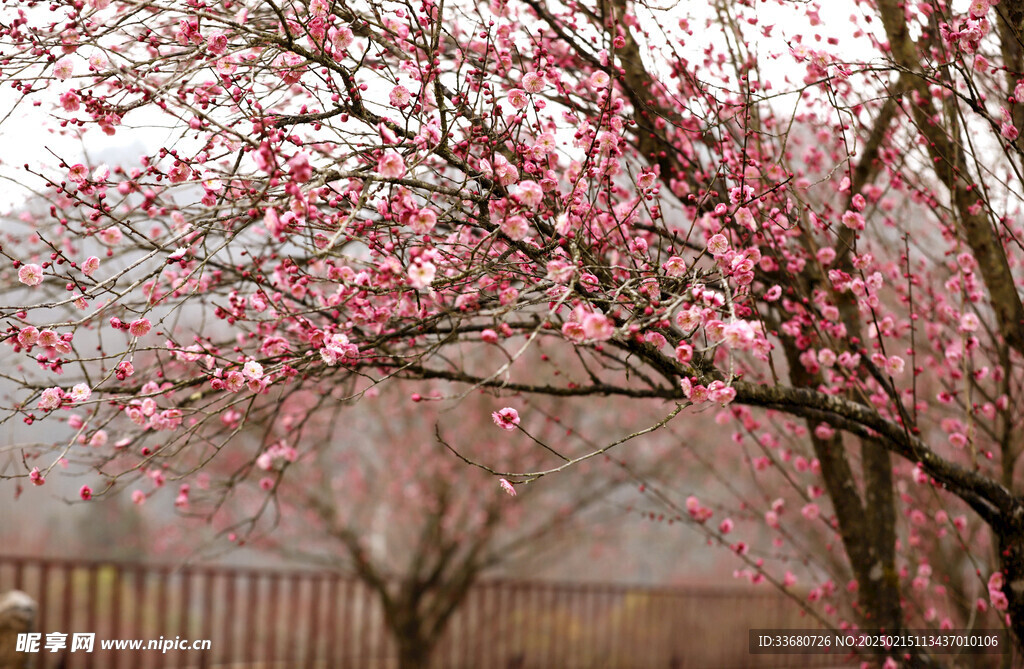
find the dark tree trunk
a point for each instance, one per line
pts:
(414, 649)
(414, 654)
(1011, 560)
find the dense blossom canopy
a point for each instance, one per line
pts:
(812, 229)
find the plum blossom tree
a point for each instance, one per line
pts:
(699, 207)
(384, 504)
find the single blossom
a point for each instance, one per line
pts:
(80, 392)
(421, 274)
(91, 264)
(684, 353)
(63, 68)
(423, 221)
(28, 336)
(598, 327)
(234, 381)
(599, 79)
(110, 236)
(140, 327)
(391, 165)
(533, 82)
(299, 168)
(400, 97)
(252, 370)
(506, 419)
(516, 227)
(517, 98)
(718, 245)
(506, 173)
(529, 193)
(507, 487)
(97, 61)
(745, 218)
(969, 322)
(50, 399)
(78, 173)
(30, 275)
(674, 267)
(217, 43)
(853, 220)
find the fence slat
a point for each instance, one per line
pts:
(162, 612)
(331, 653)
(226, 646)
(185, 601)
(67, 574)
(278, 618)
(313, 633)
(115, 614)
(251, 635)
(346, 602)
(138, 627)
(92, 617)
(271, 617)
(365, 624)
(206, 620)
(294, 616)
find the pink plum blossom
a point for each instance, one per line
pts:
(423, 221)
(674, 267)
(718, 245)
(853, 220)
(252, 370)
(529, 193)
(63, 68)
(140, 327)
(50, 399)
(391, 165)
(517, 98)
(598, 327)
(91, 264)
(533, 82)
(515, 227)
(506, 419)
(400, 97)
(30, 275)
(80, 392)
(78, 173)
(110, 236)
(421, 274)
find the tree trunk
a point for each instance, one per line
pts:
(414, 651)
(1011, 559)
(410, 633)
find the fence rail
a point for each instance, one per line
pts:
(263, 619)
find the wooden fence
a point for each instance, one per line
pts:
(257, 618)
